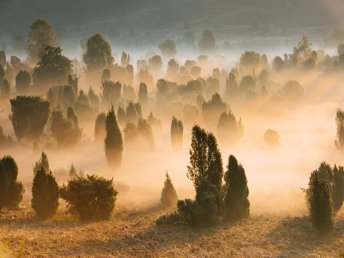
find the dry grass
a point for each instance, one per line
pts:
(133, 233)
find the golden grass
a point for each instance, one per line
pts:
(133, 233)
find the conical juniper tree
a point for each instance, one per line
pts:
(338, 187)
(29, 116)
(169, 195)
(319, 200)
(45, 194)
(236, 203)
(176, 134)
(99, 130)
(113, 141)
(11, 191)
(43, 162)
(340, 129)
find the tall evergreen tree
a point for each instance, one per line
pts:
(99, 130)
(176, 134)
(237, 205)
(42, 163)
(319, 201)
(11, 191)
(113, 141)
(169, 195)
(45, 194)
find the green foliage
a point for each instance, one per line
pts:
(92, 197)
(176, 134)
(65, 130)
(11, 191)
(236, 203)
(98, 53)
(319, 200)
(169, 195)
(23, 81)
(42, 163)
(45, 194)
(53, 68)
(113, 141)
(29, 116)
(41, 34)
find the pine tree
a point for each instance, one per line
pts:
(113, 141)
(319, 202)
(45, 194)
(43, 162)
(169, 195)
(237, 205)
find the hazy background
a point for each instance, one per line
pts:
(139, 25)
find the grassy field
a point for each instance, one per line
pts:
(133, 233)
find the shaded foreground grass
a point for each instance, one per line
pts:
(134, 233)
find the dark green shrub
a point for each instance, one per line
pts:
(176, 134)
(45, 194)
(113, 141)
(91, 197)
(319, 200)
(169, 195)
(29, 116)
(11, 191)
(236, 203)
(43, 162)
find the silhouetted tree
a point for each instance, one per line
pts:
(212, 110)
(53, 68)
(293, 91)
(125, 59)
(11, 191)
(319, 200)
(340, 129)
(42, 163)
(91, 197)
(169, 195)
(168, 48)
(207, 44)
(278, 63)
(23, 81)
(271, 137)
(155, 63)
(176, 134)
(250, 60)
(231, 87)
(41, 34)
(45, 194)
(99, 130)
(229, 129)
(65, 130)
(72, 172)
(111, 92)
(237, 205)
(29, 116)
(338, 187)
(113, 141)
(98, 53)
(303, 49)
